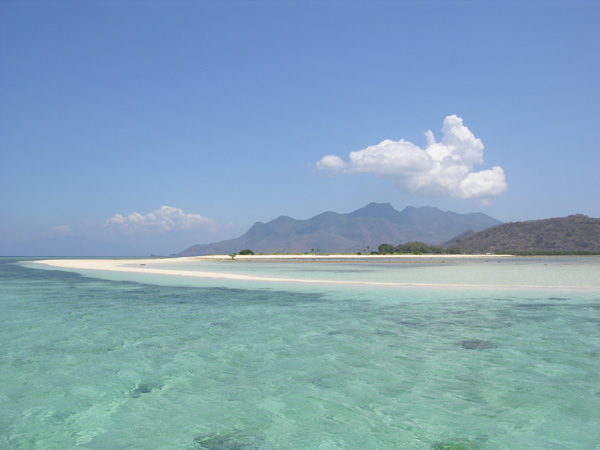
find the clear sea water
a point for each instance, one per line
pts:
(489, 354)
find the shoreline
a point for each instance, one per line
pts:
(120, 264)
(144, 267)
(333, 256)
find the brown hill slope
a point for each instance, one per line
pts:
(572, 234)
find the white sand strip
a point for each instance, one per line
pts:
(143, 267)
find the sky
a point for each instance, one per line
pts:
(145, 127)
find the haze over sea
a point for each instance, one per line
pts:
(462, 354)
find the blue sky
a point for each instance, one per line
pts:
(149, 126)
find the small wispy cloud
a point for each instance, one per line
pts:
(59, 231)
(163, 220)
(443, 168)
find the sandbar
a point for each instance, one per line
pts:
(144, 266)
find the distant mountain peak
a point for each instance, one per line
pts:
(365, 228)
(374, 210)
(377, 205)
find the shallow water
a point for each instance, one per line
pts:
(554, 272)
(139, 362)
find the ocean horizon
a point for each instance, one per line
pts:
(443, 354)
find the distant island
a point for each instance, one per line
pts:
(362, 231)
(576, 234)
(378, 228)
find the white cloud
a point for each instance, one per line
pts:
(331, 162)
(443, 168)
(162, 220)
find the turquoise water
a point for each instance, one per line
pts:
(139, 362)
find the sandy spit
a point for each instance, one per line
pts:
(144, 266)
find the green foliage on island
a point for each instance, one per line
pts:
(415, 248)
(246, 252)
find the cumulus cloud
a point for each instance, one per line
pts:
(445, 168)
(163, 220)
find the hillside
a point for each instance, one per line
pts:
(576, 233)
(364, 228)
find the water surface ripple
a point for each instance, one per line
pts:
(120, 364)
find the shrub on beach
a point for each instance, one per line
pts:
(414, 248)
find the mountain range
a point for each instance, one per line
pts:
(362, 230)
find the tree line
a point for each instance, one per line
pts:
(415, 248)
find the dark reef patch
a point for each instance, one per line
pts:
(477, 344)
(456, 444)
(144, 388)
(535, 305)
(235, 440)
(385, 333)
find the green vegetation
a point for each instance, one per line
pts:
(415, 248)
(246, 252)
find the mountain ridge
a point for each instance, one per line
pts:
(571, 234)
(357, 231)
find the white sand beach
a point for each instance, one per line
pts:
(144, 265)
(423, 271)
